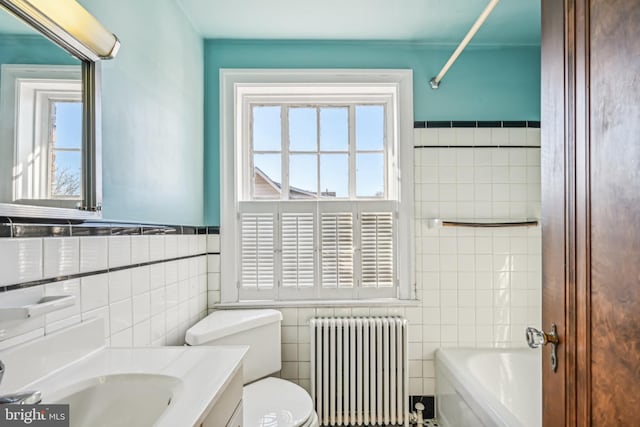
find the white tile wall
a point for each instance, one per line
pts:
(141, 305)
(477, 287)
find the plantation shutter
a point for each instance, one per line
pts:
(305, 250)
(298, 249)
(376, 243)
(257, 250)
(337, 245)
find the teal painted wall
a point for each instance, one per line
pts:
(32, 49)
(152, 113)
(486, 83)
(26, 49)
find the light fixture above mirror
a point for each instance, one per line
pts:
(50, 165)
(69, 24)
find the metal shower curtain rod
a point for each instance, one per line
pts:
(435, 82)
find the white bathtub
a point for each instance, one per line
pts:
(489, 387)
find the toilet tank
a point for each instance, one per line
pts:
(259, 329)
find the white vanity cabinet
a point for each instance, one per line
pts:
(227, 409)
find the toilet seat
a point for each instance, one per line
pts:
(275, 402)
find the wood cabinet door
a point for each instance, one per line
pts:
(591, 210)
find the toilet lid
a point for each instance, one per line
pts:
(273, 402)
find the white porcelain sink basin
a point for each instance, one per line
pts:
(118, 400)
(128, 387)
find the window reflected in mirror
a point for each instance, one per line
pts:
(41, 115)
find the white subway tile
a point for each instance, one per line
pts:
(140, 249)
(20, 260)
(500, 136)
(183, 269)
(201, 244)
(141, 307)
(94, 291)
(156, 247)
(119, 251)
(61, 256)
(171, 295)
(183, 244)
(94, 253)
(119, 285)
(120, 316)
(193, 243)
(213, 281)
(157, 301)
(213, 243)
(142, 334)
(213, 297)
(140, 280)
(533, 137)
(171, 272)
(171, 246)
(158, 327)
(213, 263)
(156, 276)
(517, 136)
(171, 319)
(67, 287)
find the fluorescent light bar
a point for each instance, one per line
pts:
(73, 19)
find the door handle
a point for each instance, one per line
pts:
(536, 339)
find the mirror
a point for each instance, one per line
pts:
(49, 109)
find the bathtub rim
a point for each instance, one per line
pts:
(490, 410)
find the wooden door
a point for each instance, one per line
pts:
(591, 210)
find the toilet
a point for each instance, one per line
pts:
(266, 401)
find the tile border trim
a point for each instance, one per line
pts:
(63, 278)
(51, 227)
(476, 124)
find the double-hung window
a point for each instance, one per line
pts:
(44, 105)
(313, 202)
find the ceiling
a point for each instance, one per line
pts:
(513, 22)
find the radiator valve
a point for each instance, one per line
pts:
(416, 416)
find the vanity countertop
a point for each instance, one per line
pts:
(204, 372)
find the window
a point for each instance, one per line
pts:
(312, 166)
(45, 103)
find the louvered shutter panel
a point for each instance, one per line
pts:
(337, 250)
(376, 242)
(257, 250)
(298, 255)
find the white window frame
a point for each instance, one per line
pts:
(25, 95)
(241, 87)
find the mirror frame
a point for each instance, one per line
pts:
(90, 206)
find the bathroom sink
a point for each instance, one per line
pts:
(118, 400)
(136, 387)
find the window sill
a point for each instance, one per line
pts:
(378, 302)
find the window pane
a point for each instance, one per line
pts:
(334, 129)
(303, 129)
(267, 174)
(370, 175)
(67, 124)
(266, 129)
(369, 127)
(334, 175)
(66, 181)
(303, 176)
